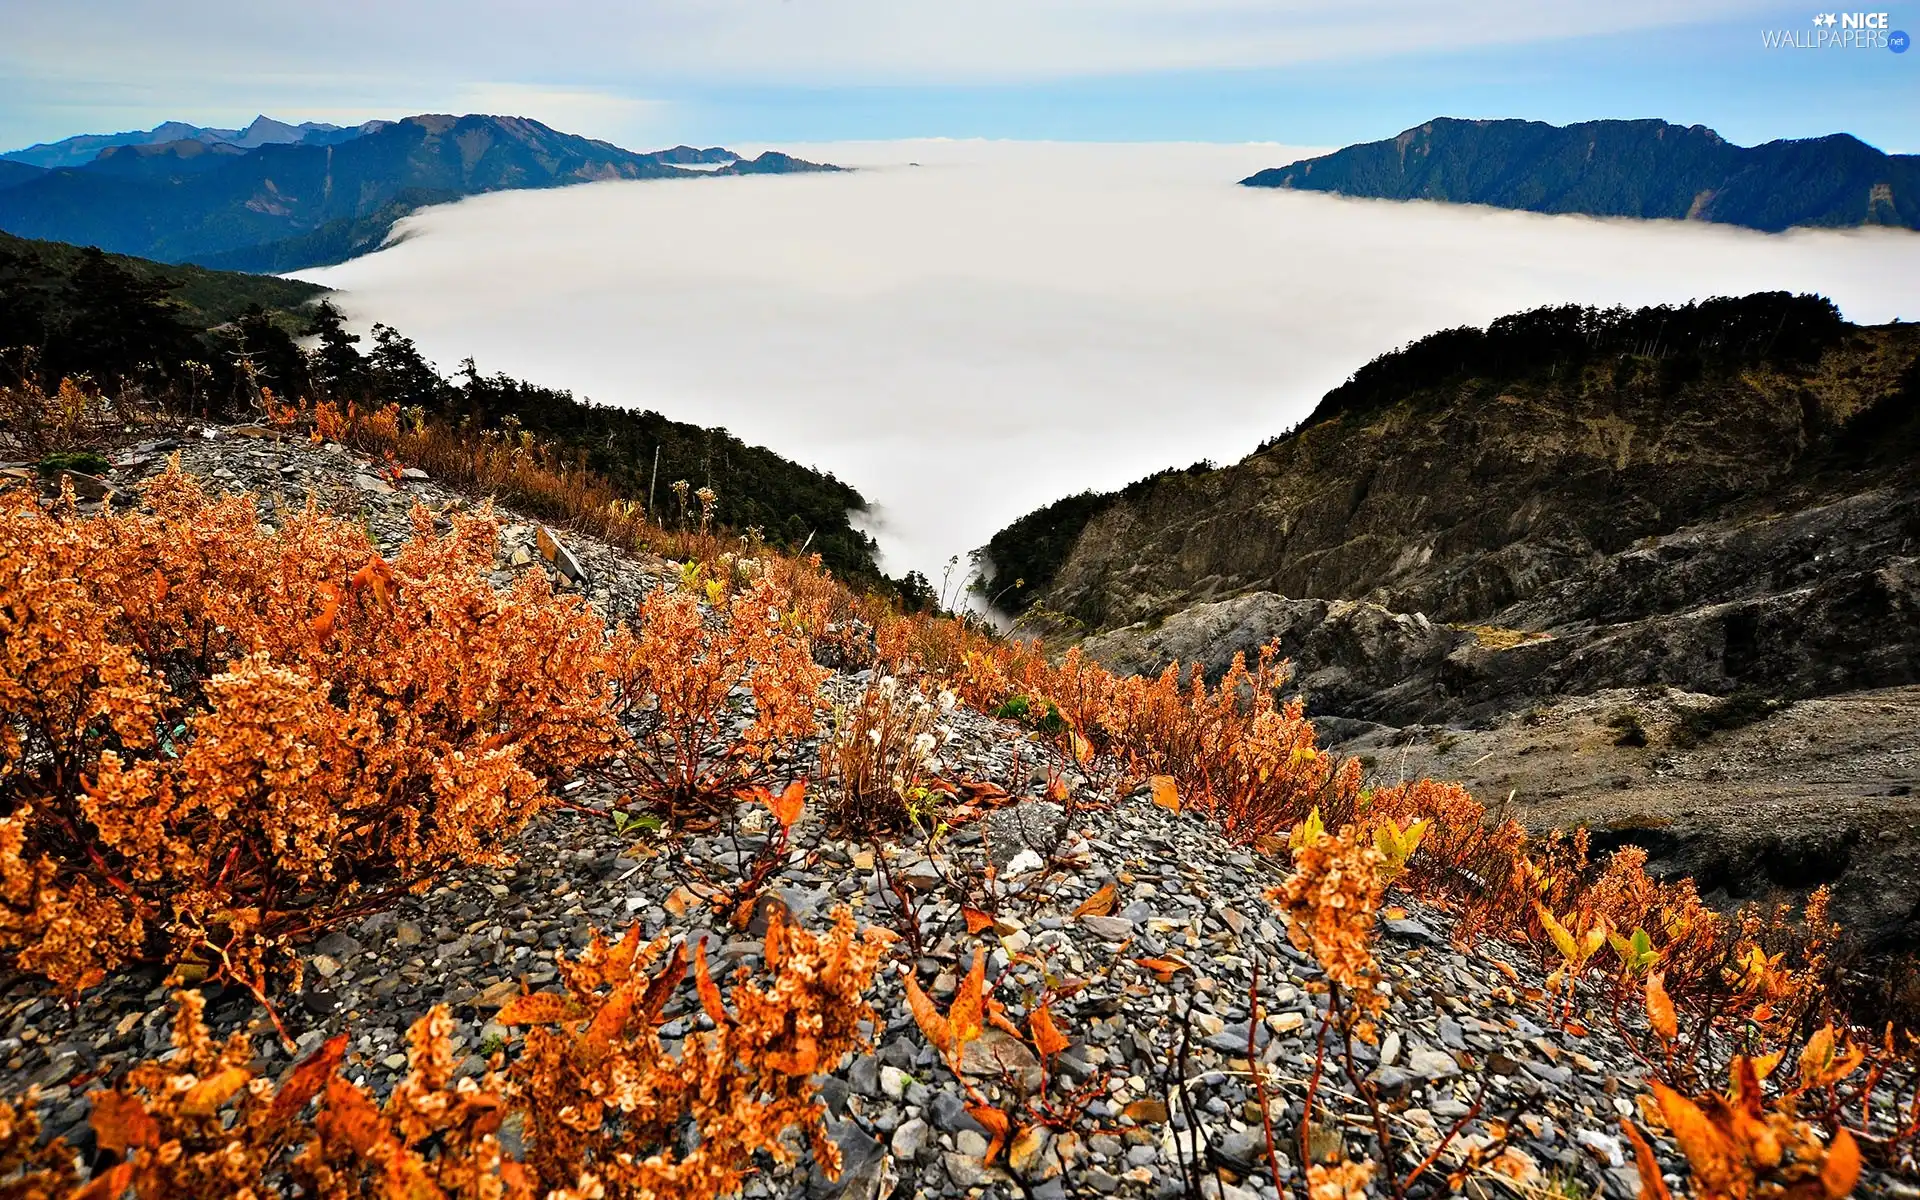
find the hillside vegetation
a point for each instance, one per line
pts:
(1647, 169)
(41, 283)
(210, 341)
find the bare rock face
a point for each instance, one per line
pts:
(1469, 551)
(1793, 607)
(1352, 657)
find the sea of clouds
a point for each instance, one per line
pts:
(968, 330)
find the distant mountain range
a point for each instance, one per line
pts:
(263, 131)
(1648, 169)
(277, 197)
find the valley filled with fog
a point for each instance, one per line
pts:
(968, 330)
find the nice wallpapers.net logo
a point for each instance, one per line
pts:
(1840, 31)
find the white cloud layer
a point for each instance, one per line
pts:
(1009, 323)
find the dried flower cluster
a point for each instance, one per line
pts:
(1345, 1181)
(214, 734)
(882, 750)
(1331, 902)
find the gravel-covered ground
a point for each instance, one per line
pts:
(1144, 1048)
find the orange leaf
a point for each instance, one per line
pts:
(997, 1013)
(541, 1008)
(206, 1097)
(307, 1079)
(609, 1024)
(1047, 1038)
(938, 1029)
(1166, 793)
(376, 576)
(994, 1122)
(1841, 1170)
(1708, 1150)
(1660, 1012)
(976, 920)
(329, 611)
(1082, 748)
(110, 1185)
(709, 994)
(1653, 1185)
(351, 1114)
(787, 805)
(121, 1123)
(967, 1016)
(1099, 904)
(1163, 968)
(1057, 790)
(624, 956)
(663, 984)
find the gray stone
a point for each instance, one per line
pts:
(1431, 1064)
(555, 551)
(1108, 929)
(965, 1170)
(949, 1113)
(893, 1082)
(909, 1139)
(1035, 825)
(996, 1054)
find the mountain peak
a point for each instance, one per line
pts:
(1646, 168)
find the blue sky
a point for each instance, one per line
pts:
(653, 72)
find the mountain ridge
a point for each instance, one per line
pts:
(262, 130)
(1647, 169)
(281, 206)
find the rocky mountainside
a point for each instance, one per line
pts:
(1178, 977)
(1623, 169)
(280, 206)
(1485, 518)
(1477, 542)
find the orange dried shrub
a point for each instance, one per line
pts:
(841, 623)
(680, 670)
(216, 734)
(201, 1123)
(1239, 754)
(30, 1170)
(332, 425)
(882, 749)
(1331, 902)
(614, 1113)
(434, 1137)
(75, 416)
